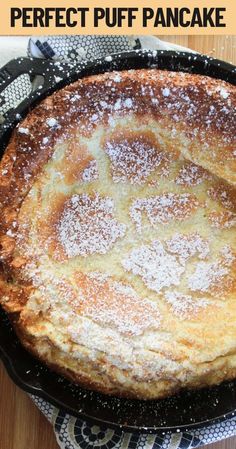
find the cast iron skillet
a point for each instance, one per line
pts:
(181, 412)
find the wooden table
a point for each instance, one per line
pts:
(22, 426)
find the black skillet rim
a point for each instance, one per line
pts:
(169, 60)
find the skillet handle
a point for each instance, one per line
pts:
(51, 75)
(44, 75)
(33, 67)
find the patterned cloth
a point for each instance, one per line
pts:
(77, 48)
(71, 432)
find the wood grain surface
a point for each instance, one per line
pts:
(22, 426)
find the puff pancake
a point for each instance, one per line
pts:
(117, 232)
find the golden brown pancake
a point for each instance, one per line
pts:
(117, 232)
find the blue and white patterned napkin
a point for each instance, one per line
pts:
(71, 432)
(77, 48)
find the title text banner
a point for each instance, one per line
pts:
(21, 17)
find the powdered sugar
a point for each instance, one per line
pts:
(52, 122)
(186, 246)
(191, 175)
(128, 103)
(228, 256)
(117, 305)
(207, 276)
(99, 276)
(166, 92)
(22, 130)
(45, 140)
(223, 194)
(157, 268)
(90, 173)
(224, 93)
(133, 158)
(87, 225)
(163, 208)
(222, 220)
(185, 306)
(117, 105)
(117, 77)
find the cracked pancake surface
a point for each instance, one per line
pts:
(117, 238)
